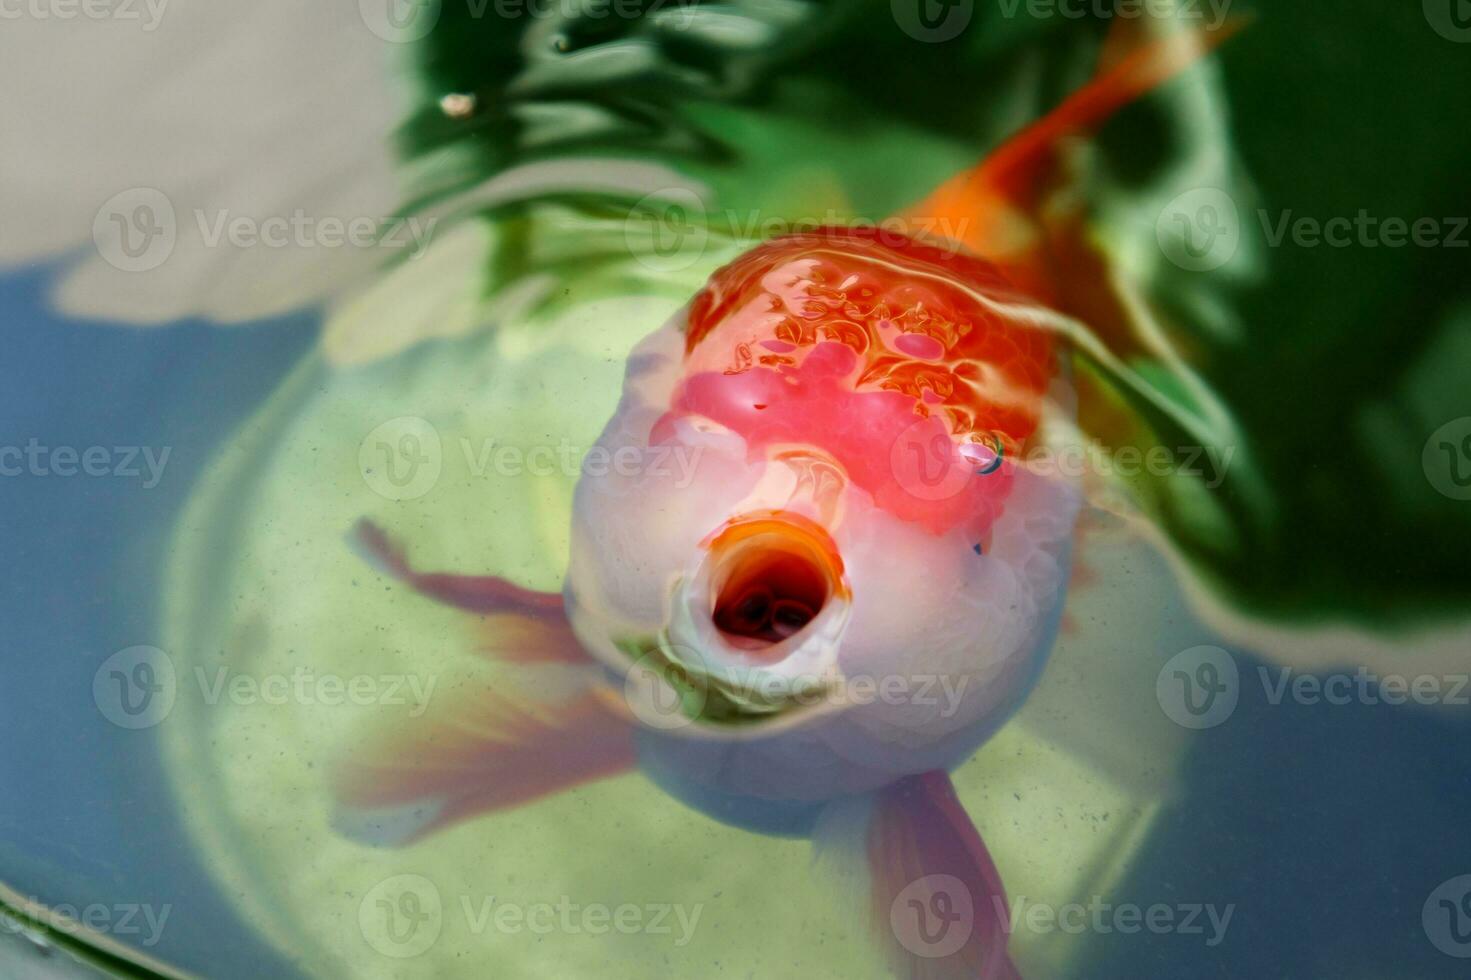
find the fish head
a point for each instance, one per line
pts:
(802, 589)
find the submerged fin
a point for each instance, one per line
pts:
(472, 593)
(996, 202)
(484, 752)
(936, 897)
(520, 625)
(487, 749)
(1137, 390)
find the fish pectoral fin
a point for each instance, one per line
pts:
(521, 625)
(472, 593)
(936, 897)
(478, 753)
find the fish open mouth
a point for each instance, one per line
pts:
(754, 631)
(770, 577)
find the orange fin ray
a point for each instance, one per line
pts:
(484, 753)
(993, 204)
(936, 896)
(472, 593)
(520, 625)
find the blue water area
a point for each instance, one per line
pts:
(1328, 826)
(87, 817)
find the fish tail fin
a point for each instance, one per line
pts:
(935, 896)
(988, 207)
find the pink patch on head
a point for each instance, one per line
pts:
(872, 350)
(910, 465)
(919, 345)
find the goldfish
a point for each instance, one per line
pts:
(859, 580)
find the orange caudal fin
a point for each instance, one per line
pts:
(476, 752)
(521, 625)
(990, 206)
(937, 902)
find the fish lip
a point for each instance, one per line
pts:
(788, 559)
(791, 682)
